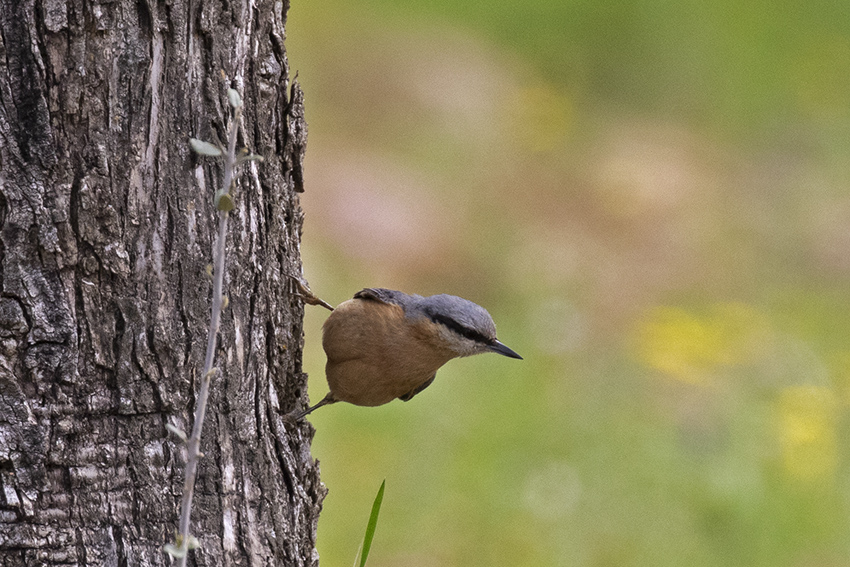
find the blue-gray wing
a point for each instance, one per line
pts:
(388, 296)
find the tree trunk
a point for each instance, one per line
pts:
(106, 230)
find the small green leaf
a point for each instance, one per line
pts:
(176, 431)
(203, 148)
(234, 98)
(174, 551)
(373, 522)
(249, 157)
(224, 202)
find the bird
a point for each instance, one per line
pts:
(384, 344)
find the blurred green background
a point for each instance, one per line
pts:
(653, 201)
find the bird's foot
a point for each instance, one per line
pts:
(302, 290)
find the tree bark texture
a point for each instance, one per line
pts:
(106, 231)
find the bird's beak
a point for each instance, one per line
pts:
(498, 347)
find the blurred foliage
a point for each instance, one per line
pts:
(653, 201)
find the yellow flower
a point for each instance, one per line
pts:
(806, 420)
(689, 346)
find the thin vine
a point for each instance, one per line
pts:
(223, 204)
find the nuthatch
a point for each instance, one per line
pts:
(385, 344)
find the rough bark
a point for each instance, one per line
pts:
(106, 230)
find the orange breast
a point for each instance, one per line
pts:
(375, 354)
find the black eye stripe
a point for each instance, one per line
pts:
(466, 332)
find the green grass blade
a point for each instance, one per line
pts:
(373, 522)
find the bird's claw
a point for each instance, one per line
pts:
(306, 294)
